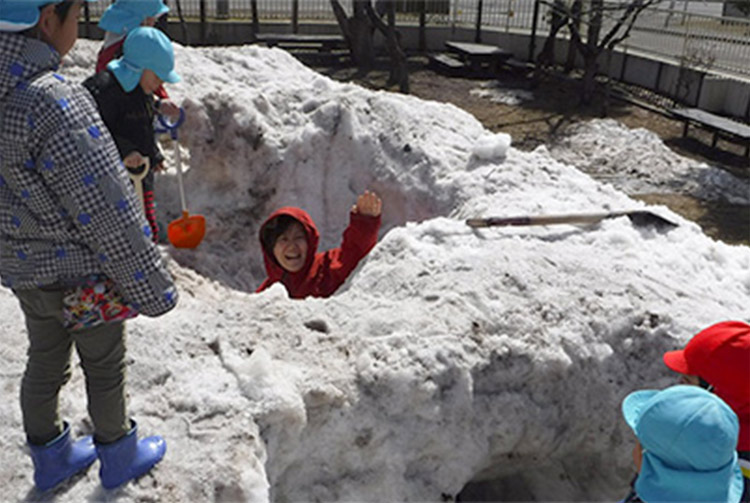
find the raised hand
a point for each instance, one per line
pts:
(368, 204)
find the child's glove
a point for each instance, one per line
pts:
(94, 302)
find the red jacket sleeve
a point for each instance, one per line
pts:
(359, 238)
(266, 283)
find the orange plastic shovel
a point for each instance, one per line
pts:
(188, 230)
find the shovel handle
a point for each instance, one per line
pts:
(137, 179)
(539, 220)
(639, 218)
(171, 127)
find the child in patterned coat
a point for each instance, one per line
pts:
(70, 222)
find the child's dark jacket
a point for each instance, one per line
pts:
(128, 116)
(323, 273)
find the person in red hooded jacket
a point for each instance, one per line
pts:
(718, 359)
(289, 240)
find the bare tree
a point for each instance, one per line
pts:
(359, 30)
(620, 16)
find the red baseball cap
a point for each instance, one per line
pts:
(720, 355)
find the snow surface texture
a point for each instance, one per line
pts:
(636, 161)
(497, 93)
(452, 355)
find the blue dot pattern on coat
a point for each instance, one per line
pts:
(70, 208)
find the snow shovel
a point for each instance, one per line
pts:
(188, 230)
(136, 176)
(640, 218)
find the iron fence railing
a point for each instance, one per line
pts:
(693, 33)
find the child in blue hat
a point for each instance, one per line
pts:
(686, 444)
(70, 221)
(124, 95)
(118, 20)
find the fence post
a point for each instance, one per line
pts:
(532, 40)
(422, 27)
(478, 34)
(87, 16)
(700, 90)
(295, 16)
(203, 21)
(256, 23)
(625, 64)
(222, 9)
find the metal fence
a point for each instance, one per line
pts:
(693, 33)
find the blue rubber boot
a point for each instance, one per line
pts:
(60, 458)
(128, 458)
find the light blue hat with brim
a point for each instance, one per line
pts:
(689, 441)
(145, 48)
(19, 15)
(125, 15)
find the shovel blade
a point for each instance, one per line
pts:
(187, 231)
(648, 219)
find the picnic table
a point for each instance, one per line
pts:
(477, 55)
(720, 126)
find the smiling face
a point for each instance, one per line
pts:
(290, 248)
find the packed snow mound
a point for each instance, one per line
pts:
(451, 356)
(636, 161)
(268, 132)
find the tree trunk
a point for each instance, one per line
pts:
(399, 72)
(358, 32)
(558, 21)
(592, 52)
(575, 21)
(546, 56)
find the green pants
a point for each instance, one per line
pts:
(102, 353)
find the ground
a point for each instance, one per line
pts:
(555, 106)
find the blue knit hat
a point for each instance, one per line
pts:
(145, 48)
(125, 15)
(19, 15)
(689, 437)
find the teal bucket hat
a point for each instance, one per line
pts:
(19, 15)
(125, 15)
(689, 437)
(145, 48)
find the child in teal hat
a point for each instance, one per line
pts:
(686, 444)
(118, 20)
(124, 95)
(70, 220)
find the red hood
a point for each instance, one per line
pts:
(273, 269)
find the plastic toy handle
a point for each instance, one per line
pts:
(171, 127)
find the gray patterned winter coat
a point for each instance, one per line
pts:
(67, 209)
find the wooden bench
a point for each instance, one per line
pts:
(477, 55)
(520, 67)
(720, 126)
(445, 63)
(324, 43)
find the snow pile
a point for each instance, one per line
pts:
(452, 356)
(496, 93)
(637, 162)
